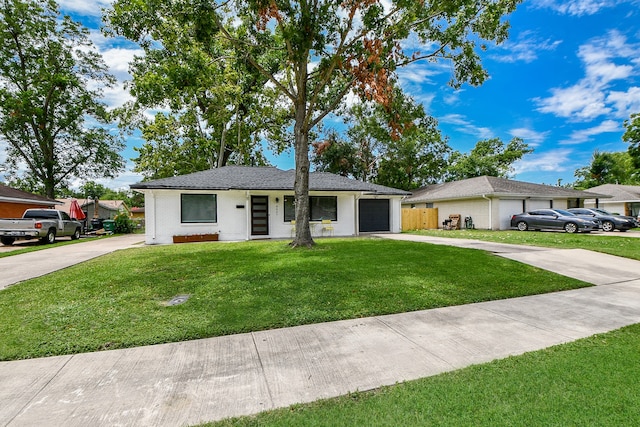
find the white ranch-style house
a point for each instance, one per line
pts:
(622, 199)
(245, 203)
(491, 201)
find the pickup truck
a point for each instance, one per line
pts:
(43, 224)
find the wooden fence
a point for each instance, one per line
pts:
(419, 219)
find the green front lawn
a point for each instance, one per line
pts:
(616, 243)
(590, 382)
(119, 300)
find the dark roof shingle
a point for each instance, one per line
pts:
(262, 178)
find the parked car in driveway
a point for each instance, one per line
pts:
(608, 221)
(553, 219)
(43, 224)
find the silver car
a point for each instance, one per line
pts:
(553, 219)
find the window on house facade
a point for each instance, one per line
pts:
(322, 207)
(198, 208)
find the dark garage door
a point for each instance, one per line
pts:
(374, 215)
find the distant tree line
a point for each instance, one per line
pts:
(217, 99)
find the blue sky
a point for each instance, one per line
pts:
(564, 82)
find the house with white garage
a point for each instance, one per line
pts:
(491, 201)
(245, 203)
(622, 200)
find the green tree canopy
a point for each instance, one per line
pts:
(489, 157)
(214, 108)
(333, 47)
(632, 137)
(607, 168)
(50, 115)
(375, 153)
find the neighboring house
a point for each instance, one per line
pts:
(491, 201)
(623, 199)
(107, 209)
(14, 202)
(244, 203)
(137, 213)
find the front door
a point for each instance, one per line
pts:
(259, 215)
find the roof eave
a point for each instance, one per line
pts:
(30, 201)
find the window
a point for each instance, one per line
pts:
(322, 207)
(198, 208)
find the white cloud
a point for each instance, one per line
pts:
(576, 7)
(118, 60)
(122, 181)
(578, 102)
(416, 74)
(466, 126)
(582, 135)
(625, 103)
(549, 161)
(599, 55)
(525, 48)
(529, 136)
(84, 7)
(606, 60)
(116, 96)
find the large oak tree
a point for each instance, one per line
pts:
(374, 152)
(632, 137)
(51, 119)
(334, 47)
(489, 157)
(213, 106)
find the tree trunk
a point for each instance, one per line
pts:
(49, 180)
(301, 146)
(302, 208)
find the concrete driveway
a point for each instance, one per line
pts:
(17, 268)
(205, 380)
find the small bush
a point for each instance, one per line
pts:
(123, 224)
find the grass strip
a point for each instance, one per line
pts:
(119, 300)
(619, 244)
(590, 382)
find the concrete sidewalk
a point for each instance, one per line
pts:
(191, 382)
(17, 268)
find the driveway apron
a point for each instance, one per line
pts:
(210, 379)
(17, 268)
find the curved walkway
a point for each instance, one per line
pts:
(197, 381)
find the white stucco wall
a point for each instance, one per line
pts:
(613, 207)
(539, 204)
(477, 209)
(490, 213)
(508, 208)
(162, 216)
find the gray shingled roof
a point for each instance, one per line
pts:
(13, 194)
(262, 178)
(492, 186)
(618, 193)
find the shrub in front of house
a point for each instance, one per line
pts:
(123, 224)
